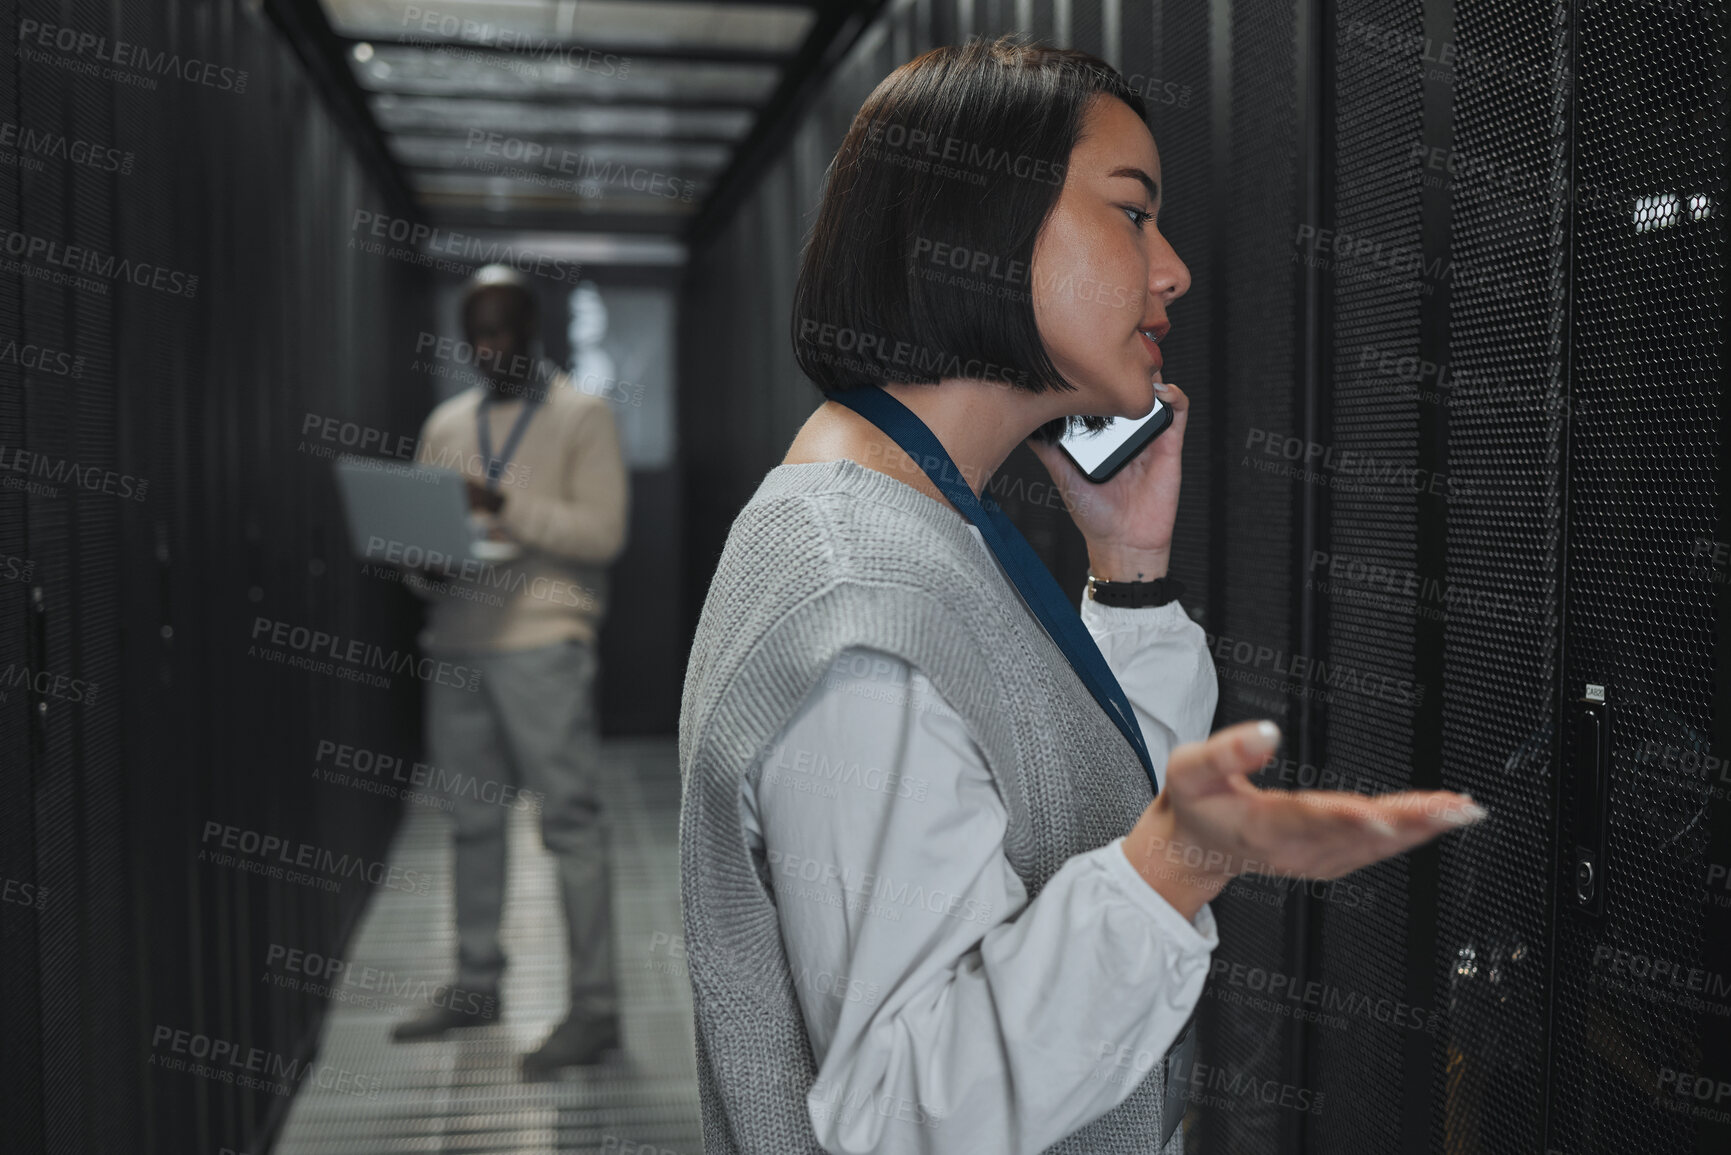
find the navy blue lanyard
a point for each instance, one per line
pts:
(1030, 575)
(496, 468)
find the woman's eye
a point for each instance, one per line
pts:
(1138, 217)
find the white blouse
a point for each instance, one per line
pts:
(946, 1012)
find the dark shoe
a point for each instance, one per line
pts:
(574, 1043)
(474, 1010)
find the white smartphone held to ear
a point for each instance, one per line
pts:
(1100, 455)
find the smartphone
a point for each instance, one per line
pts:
(1100, 455)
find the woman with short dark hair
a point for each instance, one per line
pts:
(946, 849)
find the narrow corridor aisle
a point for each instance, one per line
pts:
(463, 1093)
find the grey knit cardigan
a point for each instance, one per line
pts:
(824, 556)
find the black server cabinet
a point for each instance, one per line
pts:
(1490, 389)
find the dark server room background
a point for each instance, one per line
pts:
(1454, 515)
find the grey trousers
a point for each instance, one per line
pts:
(530, 727)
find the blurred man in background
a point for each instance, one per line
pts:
(546, 475)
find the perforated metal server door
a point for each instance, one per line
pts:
(1502, 407)
(1641, 989)
(1250, 395)
(1365, 579)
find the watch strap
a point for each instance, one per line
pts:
(1135, 594)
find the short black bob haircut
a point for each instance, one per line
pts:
(919, 262)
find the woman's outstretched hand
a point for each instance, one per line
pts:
(1209, 824)
(1127, 521)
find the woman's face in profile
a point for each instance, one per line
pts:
(1102, 272)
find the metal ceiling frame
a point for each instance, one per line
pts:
(327, 56)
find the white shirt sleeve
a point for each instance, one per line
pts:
(947, 1013)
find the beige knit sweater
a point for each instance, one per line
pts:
(566, 503)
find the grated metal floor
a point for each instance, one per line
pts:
(463, 1093)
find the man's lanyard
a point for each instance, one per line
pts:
(495, 468)
(1035, 582)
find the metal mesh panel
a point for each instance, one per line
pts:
(1646, 414)
(1503, 631)
(20, 1107)
(179, 507)
(1167, 60)
(1503, 393)
(1252, 387)
(1372, 530)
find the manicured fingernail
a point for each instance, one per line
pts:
(1465, 815)
(1162, 387)
(1378, 826)
(1264, 738)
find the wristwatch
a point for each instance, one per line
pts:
(1134, 595)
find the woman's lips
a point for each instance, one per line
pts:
(1149, 344)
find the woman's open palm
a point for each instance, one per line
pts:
(1210, 824)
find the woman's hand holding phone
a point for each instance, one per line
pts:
(1127, 520)
(1209, 824)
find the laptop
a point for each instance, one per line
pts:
(403, 513)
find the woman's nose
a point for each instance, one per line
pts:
(1168, 275)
